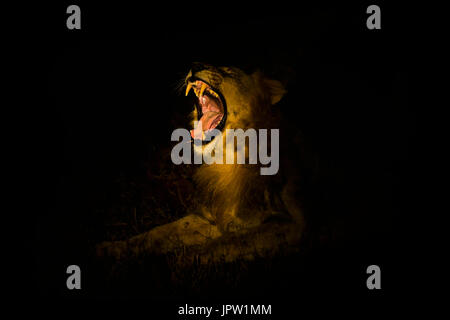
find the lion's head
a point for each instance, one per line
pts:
(229, 98)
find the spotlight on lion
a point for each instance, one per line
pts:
(241, 212)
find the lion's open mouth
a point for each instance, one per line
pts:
(210, 108)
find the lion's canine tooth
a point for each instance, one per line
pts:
(189, 86)
(202, 90)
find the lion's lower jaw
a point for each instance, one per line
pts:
(206, 149)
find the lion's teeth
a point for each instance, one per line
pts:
(189, 86)
(213, 93)
(199, 89)
(202, 89)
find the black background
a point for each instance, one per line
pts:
(105, 98)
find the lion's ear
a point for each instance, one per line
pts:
(276, 90)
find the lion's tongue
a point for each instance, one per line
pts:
(208, 120)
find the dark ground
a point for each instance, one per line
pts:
(110, 104)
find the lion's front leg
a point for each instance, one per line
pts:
(189, 231)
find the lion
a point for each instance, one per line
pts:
(242, 214)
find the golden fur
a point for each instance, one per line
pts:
(236, 195)
(235, 199)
